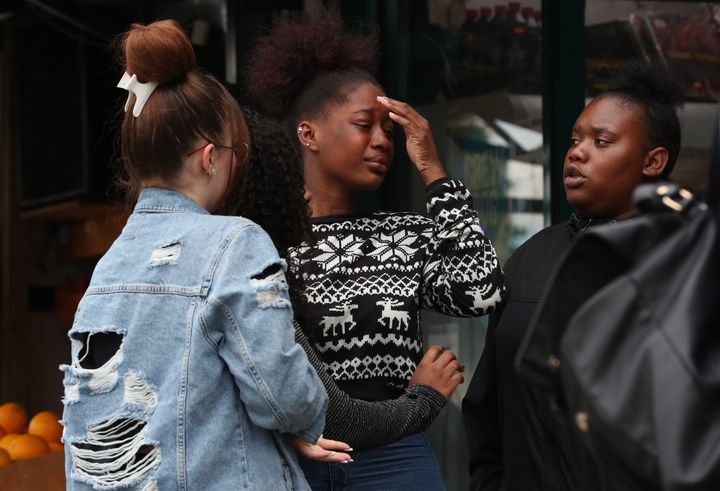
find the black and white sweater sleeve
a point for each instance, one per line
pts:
(364, 424)
(461, 274)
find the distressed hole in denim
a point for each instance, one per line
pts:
(271, 298)
(166, 254)
(97, 348)
(269, 284)
(72, 394)
(114, 453)
(139, 392)
(99, 356)
(270, 273)
(151, 486)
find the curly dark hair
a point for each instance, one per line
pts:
(270, 189)
(303, 65)
(658, 92)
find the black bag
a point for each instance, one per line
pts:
(627, 339)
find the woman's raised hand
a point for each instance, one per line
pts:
(418, 138)
(439, 369)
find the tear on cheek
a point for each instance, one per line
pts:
(115, 454)
(271, 287)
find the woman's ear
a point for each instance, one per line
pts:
(206, 160)
(306, 135)
(655, 162)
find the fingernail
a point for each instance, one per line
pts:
(392, 114)
(349, 449)
(347, 461)
(382, 98)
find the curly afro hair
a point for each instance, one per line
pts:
(302, 65)
(658, 93)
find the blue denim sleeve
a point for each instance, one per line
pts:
(249, 311)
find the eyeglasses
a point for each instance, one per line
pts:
(234, 149)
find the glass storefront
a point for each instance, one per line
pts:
(474, 69)
(685, 36)
(477, 78)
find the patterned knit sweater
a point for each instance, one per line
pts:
(368, 276)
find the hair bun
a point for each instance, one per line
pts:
(295, 51)
(159, 52)
(649, 82)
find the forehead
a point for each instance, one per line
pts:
(613, 113)
(360, 97)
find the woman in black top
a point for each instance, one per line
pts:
(271, 192)
(517, 442)
(366, 276)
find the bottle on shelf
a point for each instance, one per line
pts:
(481, 38)
(497, 53)
(528, 15)
(470, 18)
(537, 14)
(481, 47)
(516, 49)
(514, 13)
(485, 15)
(533, 49)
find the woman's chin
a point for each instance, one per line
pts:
(372, 183)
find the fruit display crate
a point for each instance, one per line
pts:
(44, 473)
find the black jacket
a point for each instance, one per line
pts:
(516, 441)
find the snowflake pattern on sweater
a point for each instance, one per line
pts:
(367, 277)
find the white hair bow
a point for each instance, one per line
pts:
(141, 90)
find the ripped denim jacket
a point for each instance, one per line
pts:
(185, 373)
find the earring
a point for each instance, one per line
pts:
(299, 129)
(212, 172)
(307, 144)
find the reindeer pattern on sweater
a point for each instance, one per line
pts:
(368, 276)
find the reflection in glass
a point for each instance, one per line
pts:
(682, 35)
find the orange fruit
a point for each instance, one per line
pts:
(4, 457)
(7, 440)
(46, 425)
(13, 417)
(26, 447)
(56, 447)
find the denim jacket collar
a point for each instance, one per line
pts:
(152, 200)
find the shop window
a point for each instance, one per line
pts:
(684, 36)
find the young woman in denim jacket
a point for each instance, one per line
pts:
(368, 275)
(184, 371)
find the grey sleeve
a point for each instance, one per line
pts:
(365, 424)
